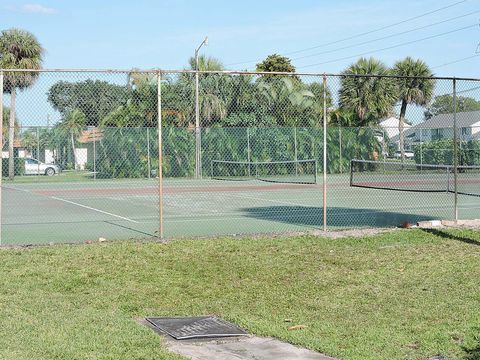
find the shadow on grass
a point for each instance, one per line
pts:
(473, 353)
(447, 235)
(336, 216)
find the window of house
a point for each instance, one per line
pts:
(437, 134)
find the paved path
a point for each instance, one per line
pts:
(242, 348)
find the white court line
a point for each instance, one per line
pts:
(74, 203)
(92, 208)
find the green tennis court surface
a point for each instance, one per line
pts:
(39, 213)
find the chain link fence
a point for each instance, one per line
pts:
(81, 153)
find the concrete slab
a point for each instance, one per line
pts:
(242, 348)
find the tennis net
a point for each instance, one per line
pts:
(414, 177)
(296, 171)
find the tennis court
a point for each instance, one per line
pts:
(41, 213)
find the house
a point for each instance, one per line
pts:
(86, 153)
(441, 127)
(19, 150)
(390, 126)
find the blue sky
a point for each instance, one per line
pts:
(164, 34)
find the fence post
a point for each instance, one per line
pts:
(421, 148)
(1, 152)
(295, 149)
(324, 152)
(148, 152)
(94, 154)
(160, 172)
(248, 151)
(340, 147)
(198, 134)
(455, 149)
(38, 153)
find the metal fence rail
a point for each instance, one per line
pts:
(270, 153)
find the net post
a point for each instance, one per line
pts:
(1, 152)
(455, 150)
(324, 152)
(160, 172)
(211, 168)
(351, 172)
(447, 170)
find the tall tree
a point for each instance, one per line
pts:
(370, 97)
(95, 98)
(6, 122)
(414, 86)
(19, 49)
(443, 104)
(73, 124)
(276, 63)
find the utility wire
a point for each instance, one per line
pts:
(460, 92)
(456, 61)
(390, 47)
(386, 37)
(361, 34)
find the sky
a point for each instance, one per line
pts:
(164, 34)
(318, 36)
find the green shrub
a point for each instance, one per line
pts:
(441, 152)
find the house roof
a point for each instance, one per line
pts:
(392, 122)
(464, 119)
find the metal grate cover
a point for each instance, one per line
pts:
(182, 328)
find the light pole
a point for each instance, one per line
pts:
(198, 139)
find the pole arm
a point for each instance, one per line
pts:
(197, 50)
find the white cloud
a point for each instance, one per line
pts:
(38, 9)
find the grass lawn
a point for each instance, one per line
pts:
(64, 176)
(405, 294)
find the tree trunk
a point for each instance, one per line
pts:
(11, 135)
(401, 125)
(74, 154)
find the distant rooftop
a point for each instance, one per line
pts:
(464, 119)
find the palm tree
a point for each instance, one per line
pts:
(206, 63)
(30, 143)
(19, 49)
(213, 90)
(73, 124)
(6, 121)
(413, 87)
(370, 97)
(286, 99)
